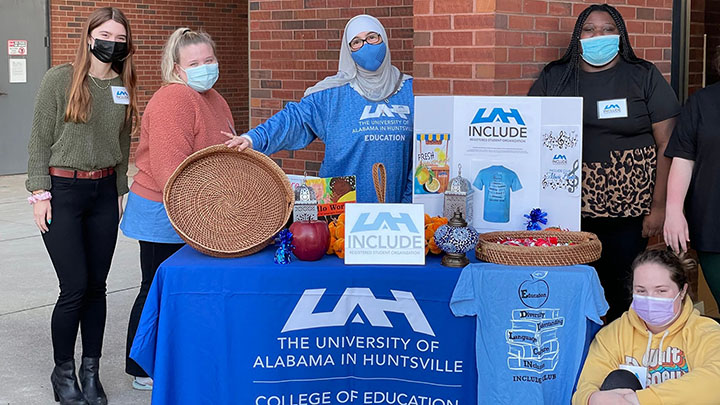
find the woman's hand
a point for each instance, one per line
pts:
(42, 211)
(620, 396)
(237, 142)
(653, 222)
(676, 231)
(120, 207)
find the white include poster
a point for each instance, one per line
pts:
(518, 153)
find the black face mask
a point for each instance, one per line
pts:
(109, 51)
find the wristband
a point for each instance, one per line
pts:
(39, 197)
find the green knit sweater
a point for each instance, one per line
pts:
(103, 141)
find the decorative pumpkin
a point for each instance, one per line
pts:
(431, 225)
(310, 238)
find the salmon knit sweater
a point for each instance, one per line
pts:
(177, 122)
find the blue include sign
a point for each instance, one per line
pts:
(384, 234)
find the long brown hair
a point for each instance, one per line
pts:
(78, 105)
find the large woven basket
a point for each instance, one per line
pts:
(226, 203)
(587, 248)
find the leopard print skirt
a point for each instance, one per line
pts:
(622, 187)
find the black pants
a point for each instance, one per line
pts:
(81, 241)
(621, 241)
(621, 379)
(151, 256)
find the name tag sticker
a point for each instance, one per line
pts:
(640, 372)
(616, 108)
(120, 95)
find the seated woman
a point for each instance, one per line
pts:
(661, 339)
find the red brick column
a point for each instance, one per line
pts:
(152, 22)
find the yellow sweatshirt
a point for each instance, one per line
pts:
(687, 370)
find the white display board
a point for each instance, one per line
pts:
(518, 153)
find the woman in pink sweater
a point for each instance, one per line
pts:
(185, 115)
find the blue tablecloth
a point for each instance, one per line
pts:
(534, 325)
(248, 331)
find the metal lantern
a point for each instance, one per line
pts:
(459, 196)
(456, 239)
(306, 205)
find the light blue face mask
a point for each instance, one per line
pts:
(370, 57)
(600, 50)
(202, 78)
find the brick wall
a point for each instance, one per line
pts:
(498, 47)
(152, 22)
(295, 43)
(696, 61)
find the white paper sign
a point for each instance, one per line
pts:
(18, 70)
(518, 153)
(384, 234)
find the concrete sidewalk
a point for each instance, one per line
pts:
(28, 290)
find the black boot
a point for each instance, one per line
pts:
(65, 385)
(90, 381)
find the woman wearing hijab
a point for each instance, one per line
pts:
(363, 114)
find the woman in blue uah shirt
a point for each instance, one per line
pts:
(629, 112)
(363, 114)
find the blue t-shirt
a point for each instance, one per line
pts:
(498, 181)
(357, 134)
(531, 328)
(147, 220)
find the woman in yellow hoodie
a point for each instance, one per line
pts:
(662, 339)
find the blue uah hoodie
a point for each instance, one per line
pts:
(357, 134)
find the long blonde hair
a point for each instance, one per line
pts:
(179, 39)
(78, 105)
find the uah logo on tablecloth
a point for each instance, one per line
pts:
(384, 110)
(374, 309)
(498, 123)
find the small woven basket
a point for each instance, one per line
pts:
(226, 203)
(587, 248)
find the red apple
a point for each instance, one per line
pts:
(310, 238)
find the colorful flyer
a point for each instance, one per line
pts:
(333, 193)
(432, 171)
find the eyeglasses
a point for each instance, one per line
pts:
(372, 39)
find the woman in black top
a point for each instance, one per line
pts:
(694, 182)
(628, 114)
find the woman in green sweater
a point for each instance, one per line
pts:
(77, 174)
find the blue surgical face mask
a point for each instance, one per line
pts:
(600, 50)
(202, 78)
(370, 57)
